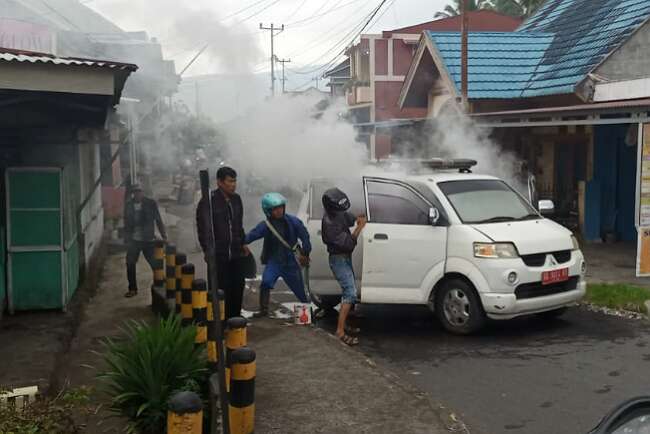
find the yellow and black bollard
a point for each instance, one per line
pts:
(159, 261)
(185, 414)
(181, 259)
(236, 338)
(170, 274)
(200, 310)
(213, 338)
(242, 392)
(187, 277)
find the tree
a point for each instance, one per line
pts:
(453, 9)
(517, 8)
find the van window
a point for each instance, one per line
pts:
(395, 204)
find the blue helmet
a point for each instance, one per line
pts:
(272, 200)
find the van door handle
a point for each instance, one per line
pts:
(381, 237)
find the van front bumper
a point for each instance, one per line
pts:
(507, 306)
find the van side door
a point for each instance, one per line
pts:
(403, 252)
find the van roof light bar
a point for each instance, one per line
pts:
(463, 165)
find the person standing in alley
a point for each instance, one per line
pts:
(140, 215)
(340, 243)
(281, 254)
(229, 248)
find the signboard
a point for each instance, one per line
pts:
(643, 202)
(22, 35)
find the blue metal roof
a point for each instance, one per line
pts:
(549, 54)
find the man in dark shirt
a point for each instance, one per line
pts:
(229, 247)
(340, 243)
(280, 259)
(140, 215)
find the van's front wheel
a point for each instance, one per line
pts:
(458, 307)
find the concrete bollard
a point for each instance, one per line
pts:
(159, 264)
(187, 277)
(236, 338)
(213, 339)
(200, 310)
(170, 274)
(185, 414)
(242, 392)
(181, 259)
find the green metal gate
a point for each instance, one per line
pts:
(42, 253)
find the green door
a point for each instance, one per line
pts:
(35, 239)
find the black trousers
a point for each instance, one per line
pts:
(133, 250)
(230, 275)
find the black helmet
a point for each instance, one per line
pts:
(335, 200)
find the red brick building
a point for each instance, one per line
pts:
(378, 67)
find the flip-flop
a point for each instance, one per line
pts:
(349, 340)
(352, 330)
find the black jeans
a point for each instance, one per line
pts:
(133, 249)
(231, 280)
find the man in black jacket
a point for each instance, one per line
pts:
(140, 215)
(340, 243)
(229, 248)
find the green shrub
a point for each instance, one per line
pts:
(147, 367)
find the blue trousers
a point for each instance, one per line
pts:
(291, 273)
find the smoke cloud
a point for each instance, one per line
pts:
(186, 27)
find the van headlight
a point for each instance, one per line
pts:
(495, 250)
(574, 240)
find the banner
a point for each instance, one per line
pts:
(643, 202)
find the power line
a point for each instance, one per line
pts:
(305, 21)
(324, 37)
(242, 10)
(259, 12)
(295, 12)
(344, 40)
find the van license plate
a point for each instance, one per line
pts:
(555, 276)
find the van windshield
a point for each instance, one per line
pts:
(486, 201)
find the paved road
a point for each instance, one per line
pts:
(522, 376)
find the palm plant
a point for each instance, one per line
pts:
(454, 9)
(147, 367)
(517, 8)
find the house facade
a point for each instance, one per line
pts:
(379, 64)
(564, 93)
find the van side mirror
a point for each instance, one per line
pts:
(434, 216)
(546, 207)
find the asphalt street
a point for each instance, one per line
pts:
(522, 376)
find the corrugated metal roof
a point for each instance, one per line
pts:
(549, 54)
(8, 55)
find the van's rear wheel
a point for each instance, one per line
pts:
(458, 307)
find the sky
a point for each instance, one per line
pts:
(315, 30)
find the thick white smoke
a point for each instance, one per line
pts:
(185, 27)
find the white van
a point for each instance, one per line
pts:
(468, 246)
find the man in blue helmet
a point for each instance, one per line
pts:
(282, 254)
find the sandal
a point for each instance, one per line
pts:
(131, 294)
(351, 330)
(349, 340)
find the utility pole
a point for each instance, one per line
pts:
(284, 80)
(274, 32)
(316, 79)
(464, 62)
(197, 106)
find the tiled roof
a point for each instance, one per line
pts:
(549, 54)
(10, 55)
(479, 21)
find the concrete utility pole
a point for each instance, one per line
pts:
(464, 62)
(284, 79)
(273, 30)
(316, 79)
